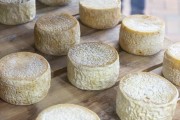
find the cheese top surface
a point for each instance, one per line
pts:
(67, 112)
(100, 4)
(148, 88)
(93, 54)
(22, 65)
(174, 51)
(14, 1)
(60, 22)
(143, 23)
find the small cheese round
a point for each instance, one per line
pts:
(24, 78)
(55, 2)
(100, 14)
(93, 66)
(67, 112)
(14, 12)
(171, 64)
(56, 33)
(142, 34)
(146, 96)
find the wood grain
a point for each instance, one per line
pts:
(21, 38)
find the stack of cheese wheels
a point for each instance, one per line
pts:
(100, 14)
(13, 12)
(146, 96)
(67, 112)
(171, 64)
(55, 34)
(24, 78)
(93, 66)
(142, 35)
(55, 2)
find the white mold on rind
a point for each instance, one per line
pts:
(142, 34)
(14, 12)
(100, 14)
(67, 112)
(55, 2)
(146, 96)
(24, 78)
(93, 66)
(171, 64)
(56, 34)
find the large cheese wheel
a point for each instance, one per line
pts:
(67, 112)
(142, 34)
(55, 2)
(56, 33)
(171, 64)
(100, 14)
(93, 66)
(146, 96)
(13, 12)
(24, 78)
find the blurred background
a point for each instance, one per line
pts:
(168, 10)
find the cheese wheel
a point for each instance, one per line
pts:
(24, 78)
(146, 96)
(93, 66)
(13, 12)
(171, 64)
(100, 14)
(142, 34)
(55, 2)
(67, 112)
(56, 33)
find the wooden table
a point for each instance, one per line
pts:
(21, 38)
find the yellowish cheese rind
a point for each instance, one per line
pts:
(93, 66)
(24, 78)
(56, 34)
(100, 14)
(14, 12)
(146, 96)
(171, 64)
(142, 34)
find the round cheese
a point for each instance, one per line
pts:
(56, 33)
(55, 2)
(146, 96)
(67, 112)
(142, 34)
(100, 14)
(13, 12)
(24, 78)
(171, 64)
(93, 66)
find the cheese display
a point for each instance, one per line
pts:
(67, 112)
(14, 12)
(146, 96)
(100, 14)
(93, 66)
(24, 78)
(56, 33)
(142, 34)
(55, 2)
(171, 64)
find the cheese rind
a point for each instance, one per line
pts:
(55, 34)
(67, 112)
(100, 14)
(146, 96)
(17, 12)
(24, 78)
(93, 66)
(142, 35)
(171, 64)
(55, 2)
